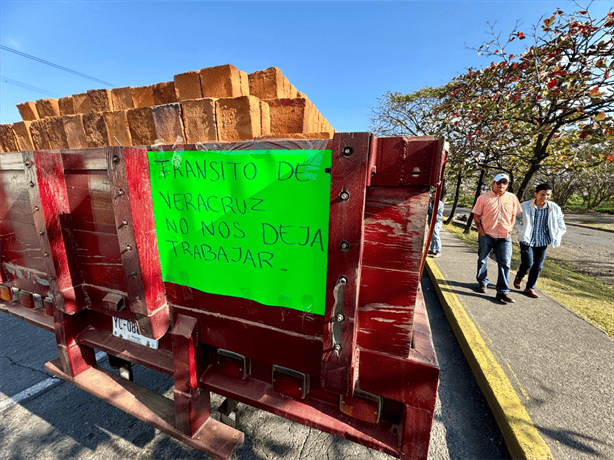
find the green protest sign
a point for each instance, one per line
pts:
(247, 223)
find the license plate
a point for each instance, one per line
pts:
(128, 330)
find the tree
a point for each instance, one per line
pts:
(574, 162)
(407, 114)
(597, 185)
(563, 82)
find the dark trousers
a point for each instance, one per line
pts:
(531, 260)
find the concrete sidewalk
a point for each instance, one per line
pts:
(547, 374)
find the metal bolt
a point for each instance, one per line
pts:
(46, 254)
(125, 222)
(138, 297)
(134, 275)
(343, 280)
(340, 317)
(28, 163)
(348, 151)
(36, 208)
(344, 245)
(121, 192)
(337, 348)
(32, 184)
(344, 196)
(115, 159)
(41, 233)
(128, 247)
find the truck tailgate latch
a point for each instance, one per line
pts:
(338, 316)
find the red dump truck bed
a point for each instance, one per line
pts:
(283, 274)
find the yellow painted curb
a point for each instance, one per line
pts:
(521, 436)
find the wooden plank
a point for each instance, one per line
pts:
(160, 360)
(14, 199)
(233, 307)
(214, 438)
(311, 412)
(412, 379)
(49, 199)
(348, 185)
(258, 340)
(100, 259)
(400, 161)
(89, 195)
(21, 245)
(133, 210)
(90, 159)
(192, 403)
(37, 317)
(395, 224)
(11, 161)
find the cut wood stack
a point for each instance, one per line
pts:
(215, 104)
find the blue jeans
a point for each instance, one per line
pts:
(531, 258)
(503, 254)
(436, 240)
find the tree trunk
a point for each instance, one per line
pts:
(477, 194)
(533, 168)
(539, 154)
(459, 179)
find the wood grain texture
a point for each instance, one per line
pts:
(348, 186)
(49, 199)
(395, 229)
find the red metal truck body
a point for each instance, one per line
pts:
(78, 251)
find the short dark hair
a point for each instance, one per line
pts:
(541, 187)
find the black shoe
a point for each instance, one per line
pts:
(505, 298)
(481, 288)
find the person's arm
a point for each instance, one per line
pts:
(561, 222)
(519, 221)
(477, 215)
(478, 223)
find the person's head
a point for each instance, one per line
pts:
(499, 183)
(543, 192)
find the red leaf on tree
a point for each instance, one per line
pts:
(582, 12)
(552, 83)
(521, 35)
(611, 158)
(594, 92)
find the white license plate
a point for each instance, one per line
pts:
(128, 330)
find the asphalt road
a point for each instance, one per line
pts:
(55, 420)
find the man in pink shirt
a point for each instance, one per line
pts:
(495, 214)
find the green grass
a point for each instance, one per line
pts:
(574, 203)
(597, 225)
(591, 299)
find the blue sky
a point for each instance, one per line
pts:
(342, 55)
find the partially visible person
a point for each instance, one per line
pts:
(435, 247)
(539, 224)
(494, 214)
